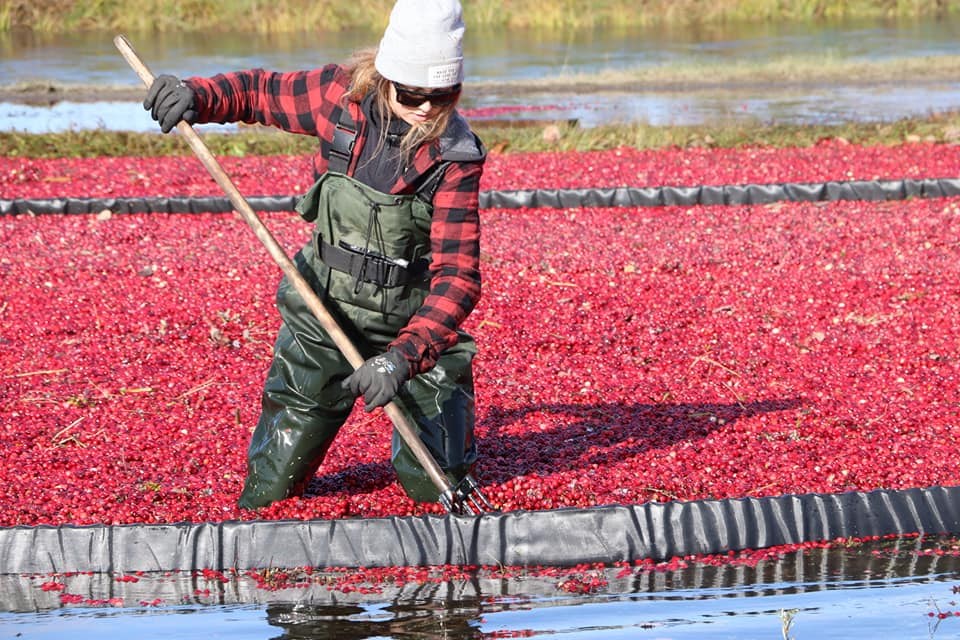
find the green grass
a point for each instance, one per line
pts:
(323, 15)
(944, 128)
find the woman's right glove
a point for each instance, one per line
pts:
(169, 101)
(378, 379)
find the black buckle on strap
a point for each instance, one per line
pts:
(370, 267)
(341, 148)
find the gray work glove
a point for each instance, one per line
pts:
(169, 101)
(378, 379)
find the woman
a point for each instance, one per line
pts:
(394, 254)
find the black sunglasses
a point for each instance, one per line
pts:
(414, 98)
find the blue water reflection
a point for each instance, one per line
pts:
(816, 106)
(893, 609)
(181, 623)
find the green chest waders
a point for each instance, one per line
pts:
(368, 262)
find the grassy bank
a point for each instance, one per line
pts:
(500, 139)
(786, 72)
(323, 15)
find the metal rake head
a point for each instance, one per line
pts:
(466, 499)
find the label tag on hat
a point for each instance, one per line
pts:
(443, 75)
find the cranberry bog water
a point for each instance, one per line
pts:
(627, 354)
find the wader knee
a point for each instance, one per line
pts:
(303, 408)
(288, 444)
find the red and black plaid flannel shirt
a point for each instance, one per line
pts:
(309, 102)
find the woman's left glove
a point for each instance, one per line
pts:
(378, 379)
(169, 101)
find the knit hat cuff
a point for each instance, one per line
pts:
(422, 75)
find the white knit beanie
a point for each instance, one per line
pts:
(423, 44)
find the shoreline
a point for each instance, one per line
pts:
(49, 93)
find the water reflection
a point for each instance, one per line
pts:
(873, 590)
(892, 588)
(490, 55)
(822, 106)
(357, 622)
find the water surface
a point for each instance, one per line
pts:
(516, 55)
(885, 589)
(893, 608)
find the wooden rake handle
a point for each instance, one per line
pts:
(313, 302)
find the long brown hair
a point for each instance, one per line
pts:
(365, 78)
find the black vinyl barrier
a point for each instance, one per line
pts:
(535, 198)
(560, 537)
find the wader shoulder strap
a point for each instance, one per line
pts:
(341, 151)
(431, 182)
(341, 148)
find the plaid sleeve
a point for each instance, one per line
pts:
(297, 101)
(455, 269)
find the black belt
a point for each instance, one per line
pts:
(370, 267)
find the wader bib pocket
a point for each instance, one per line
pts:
(371, 250)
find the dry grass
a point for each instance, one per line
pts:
(320, 15)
